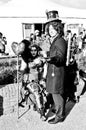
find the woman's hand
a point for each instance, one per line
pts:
(32, 64)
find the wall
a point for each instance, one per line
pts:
(11, 27)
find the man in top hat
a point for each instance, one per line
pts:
(56, 64)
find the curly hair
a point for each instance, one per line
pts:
(57, 26)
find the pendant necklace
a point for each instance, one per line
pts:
(53, 74)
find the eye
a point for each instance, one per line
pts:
(34, 50)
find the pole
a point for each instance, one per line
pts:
(68, 49)
(42, 27)
(17, 88)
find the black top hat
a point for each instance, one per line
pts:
(52, 16)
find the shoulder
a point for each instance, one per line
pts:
(61, 39)
(61, 42)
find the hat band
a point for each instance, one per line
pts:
(51, 15)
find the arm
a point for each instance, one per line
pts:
(58, 51)
(23, 65)
(58, 59)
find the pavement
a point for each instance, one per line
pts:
(26, 119)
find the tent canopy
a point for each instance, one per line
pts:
(15, 12)
(37, 8)
(80, 4)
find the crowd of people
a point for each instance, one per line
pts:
(77, 63)
(48, 83)
(3, 43)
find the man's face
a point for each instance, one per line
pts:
(34, 51)
(52, 31)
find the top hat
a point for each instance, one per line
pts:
(52, 16)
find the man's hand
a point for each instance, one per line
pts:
(48, 59)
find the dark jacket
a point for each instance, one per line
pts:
(56, 66)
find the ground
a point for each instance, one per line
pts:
(25, 119)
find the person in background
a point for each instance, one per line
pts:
(80, 40)
(56, 65)
(84, 36)
(73, 40)
(1, 35)
(2, 45)
(37, 39)
(81, 72)
(66, 34)
(32, 38)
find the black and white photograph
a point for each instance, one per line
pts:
(42, 64)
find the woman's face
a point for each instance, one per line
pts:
(52, 31)
(33, 51)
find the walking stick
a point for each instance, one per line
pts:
(17, 88)
(68, 50)
(15, 50)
